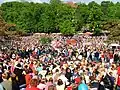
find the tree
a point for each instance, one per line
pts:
(117, 10)
(95, 15)
(57, 16)
(54, 2)
(81, 15)
(114, 31)
(113, 27)
(105, 5)
(67, 28)
(3, 26)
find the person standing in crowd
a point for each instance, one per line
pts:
(33, 85)
(64, 79)
(15, 84)
(27, 77)
(118, 69)
(60, 85)
(19, 75)
(1, 87)
(118, 83)
(68, 74)
(105, 83)
(50, 83)
(96, 55)
(41, 85)
(64, 63)
(51, 87)
(6, 84)
(82, 86)
(116, 57)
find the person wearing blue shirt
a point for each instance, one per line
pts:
(39, 68)
(1, 87)
(82, 86)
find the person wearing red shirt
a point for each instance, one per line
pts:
(33, 85)
(118, 83)
(118, 69)
(111, 58)
(27, 78)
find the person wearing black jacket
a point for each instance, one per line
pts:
(68, 74)
(18, 72)
(15, 85)
(116, 58)
(107, 83)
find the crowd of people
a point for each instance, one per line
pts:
(68, 63)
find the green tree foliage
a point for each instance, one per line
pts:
(67, 28)
(97, 31)
(113, 26)
(57, 16)
(95, 15)
(81, 14)
(32, 17)
(4, 27)
(105, 7)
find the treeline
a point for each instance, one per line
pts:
(57, 16)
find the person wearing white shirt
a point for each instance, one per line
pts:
(64, 79)
(42, 85)
(60, 85)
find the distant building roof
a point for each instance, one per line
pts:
(72, 4)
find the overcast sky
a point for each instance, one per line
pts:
(85, 1)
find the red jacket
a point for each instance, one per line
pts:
(118, 70)
(27, 78)
(32, 88)
(118, 81)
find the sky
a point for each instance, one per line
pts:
(84, 1)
